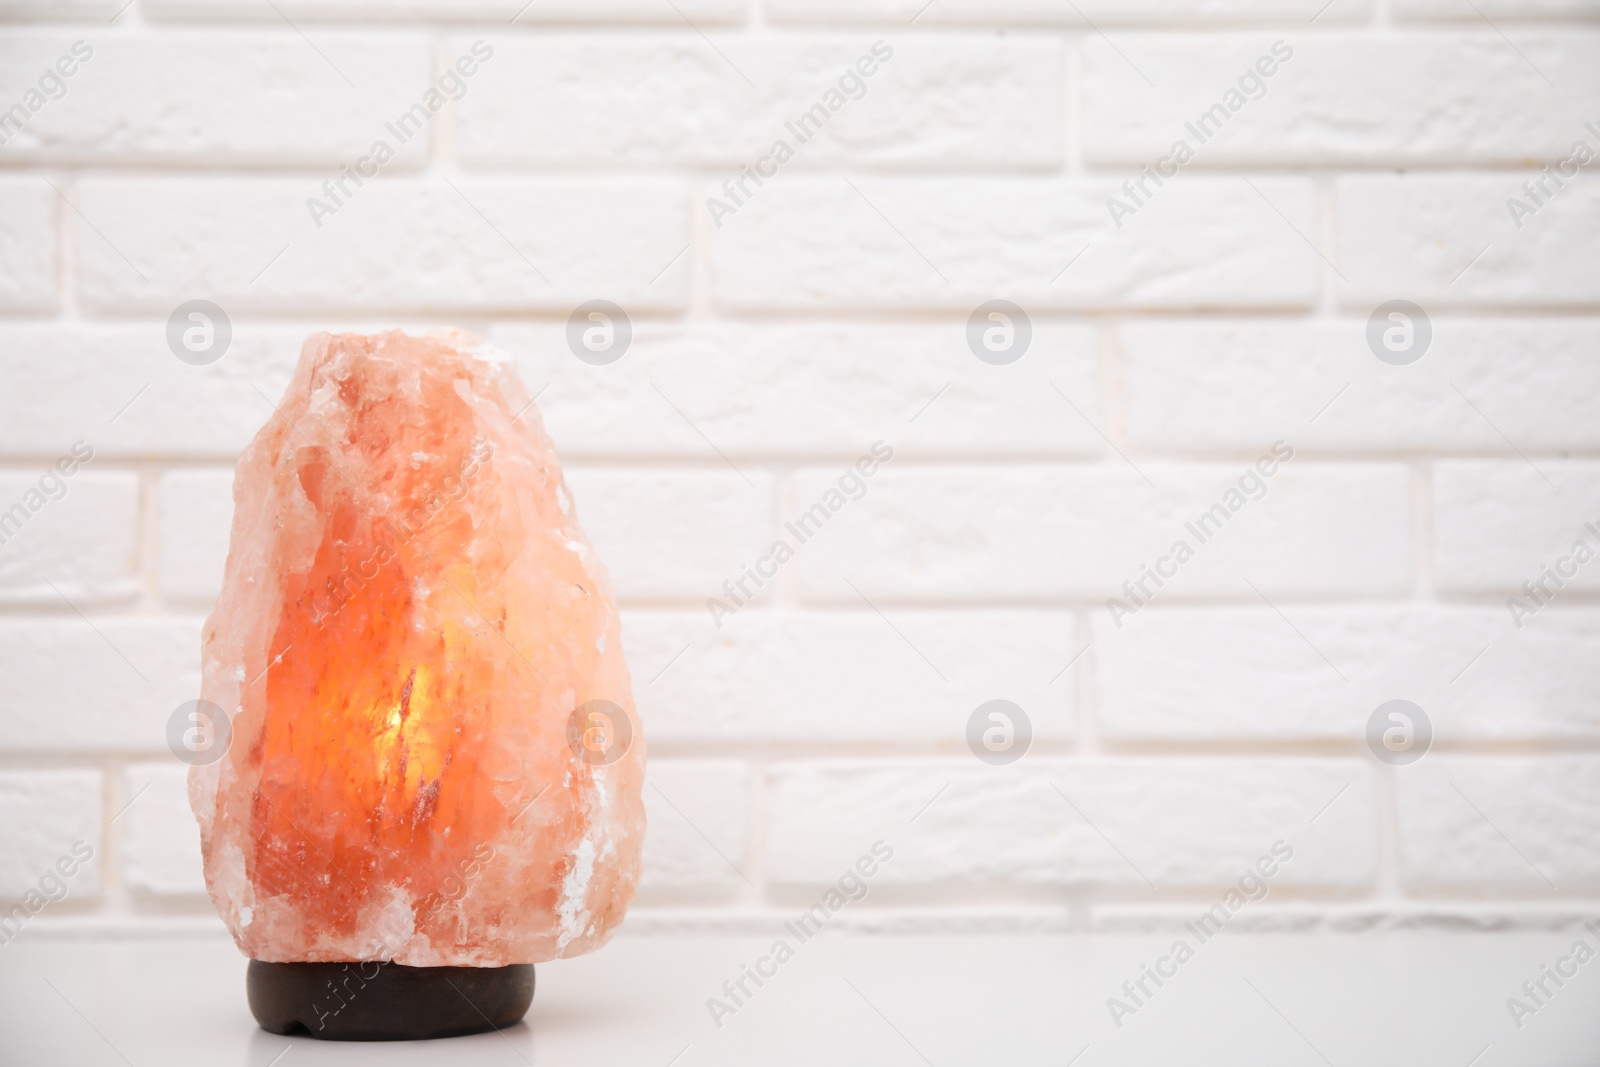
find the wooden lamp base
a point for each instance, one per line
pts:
(386, 1001)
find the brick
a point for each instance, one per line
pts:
(1046, 532)
(493, 11)
(698, 811)
(43, 814)
(196, 518)
(756, 676)
(1244, 674)
(159, 840)
(1460, 96)
(1500, 523)
(1419, 237)
(1437, 916)
(954, 243)
(58, 10)
(70, 689)
(977, 102)
(404, 244)
(28, 232)
(1197, 383)
(1477, 10)
(804, 388)
(79, 534)
(677, 535)
(175, 97)
(1185, 824)
(122, 389)
(1075, 15)
(1522, 826)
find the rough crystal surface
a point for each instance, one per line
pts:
(409, 618)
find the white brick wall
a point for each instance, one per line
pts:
(162, 858)
(404, 244)
(1141, 826)
(954, 242)
(789, 676)
(775, 343)
(196, 509)
(86, 687)
(809, 388)
(1431, 96)
(1501, 521)
(28, 208)
(1502, 824)
(698, 846)
(45, 814)
(78, 547)
(1449, 239)
(960, 102)
(1260, 680)
(972, 533)
(1283, 378)
(186, 111)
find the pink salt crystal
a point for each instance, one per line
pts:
(409, 621)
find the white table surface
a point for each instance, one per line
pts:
(1344, 1000)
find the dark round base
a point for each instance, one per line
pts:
(386, 1001)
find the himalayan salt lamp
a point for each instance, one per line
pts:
(434, 775)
